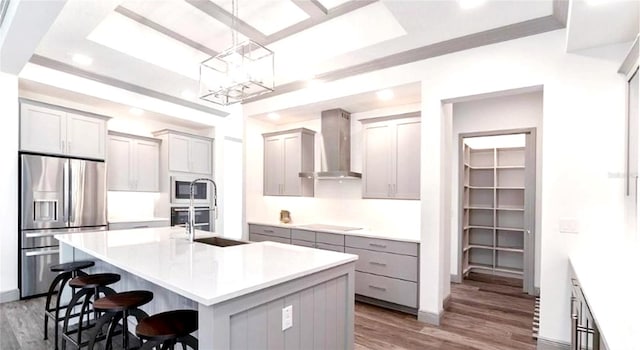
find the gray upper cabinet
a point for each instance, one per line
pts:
(188, 153)
(391, 159)
(133, 163)
(286, 154)
(57, 130)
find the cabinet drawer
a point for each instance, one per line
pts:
(303, 243)
(335, 248)
(270, 231)
(387, 289)
(303, 235)
(391, 265)
(256, 237)
(330, 238)
(382, 245)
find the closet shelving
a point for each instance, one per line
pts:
(493, 211)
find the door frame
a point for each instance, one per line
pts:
(528, 279)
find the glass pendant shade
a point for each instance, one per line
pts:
(245, 70)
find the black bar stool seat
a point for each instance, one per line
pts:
(120, 306)
(72, 266)
(66, 272)
(169, 328)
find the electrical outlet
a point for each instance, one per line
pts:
(569, 225)
(287, 317)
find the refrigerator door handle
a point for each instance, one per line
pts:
(66, 193)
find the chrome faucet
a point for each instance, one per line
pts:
(191, 220)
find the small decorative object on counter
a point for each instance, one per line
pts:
(285, 216)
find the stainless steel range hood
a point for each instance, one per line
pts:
(336, 147)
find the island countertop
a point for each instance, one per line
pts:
(200, 272)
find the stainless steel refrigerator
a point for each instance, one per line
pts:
(57, 195)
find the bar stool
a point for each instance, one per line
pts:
(66, 271)
(116, 307)
(90, 286)
(166, 329)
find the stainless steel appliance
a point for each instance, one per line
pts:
(181, 191)
(57, 195)
(180, 217)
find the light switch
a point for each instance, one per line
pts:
(287, 317)
(569, 225)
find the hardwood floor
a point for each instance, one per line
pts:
(481, 315)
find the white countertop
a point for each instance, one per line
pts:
(610, 285)
(413, 236)
(149, 219)
(201, 272)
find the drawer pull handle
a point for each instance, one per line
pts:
(270, 231)
(378, 288)
(377, 245)
(377, 263)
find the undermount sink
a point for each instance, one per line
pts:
(219, 241)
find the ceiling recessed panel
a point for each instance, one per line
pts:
(341, 35)
(185, 20)
(267, 16)
(136, 40)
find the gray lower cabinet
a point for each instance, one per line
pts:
(261, 233)
(387, 289)
(386, 270)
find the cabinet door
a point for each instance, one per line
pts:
(119, 174)
(42, 129)
(85, 136)
(273, 166)
(147, 164)
(200, 156)
(377, 161)
(179, 153)
(406, 159)
(291, 162)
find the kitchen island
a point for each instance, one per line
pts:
(240, 291)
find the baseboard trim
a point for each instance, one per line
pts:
(546, 344)
(9, 295)
(430, 318)
(456, 279)
(446, 302)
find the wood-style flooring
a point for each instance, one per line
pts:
(481, 315)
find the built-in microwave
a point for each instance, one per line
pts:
(181, 190)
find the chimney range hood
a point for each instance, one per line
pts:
(336, 147)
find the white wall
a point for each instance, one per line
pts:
(335, 202)
(9, 188)
(582, 141)
(492, 114)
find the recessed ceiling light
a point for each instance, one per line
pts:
(273, 116)
(385, 95)
(188, 94)
(81, 59)
(469, 4)
(136, 111)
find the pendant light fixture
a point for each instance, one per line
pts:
(242, 71)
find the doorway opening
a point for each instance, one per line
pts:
(497, 204)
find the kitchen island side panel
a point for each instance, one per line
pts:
(254, 321)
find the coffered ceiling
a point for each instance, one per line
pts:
(154, 47)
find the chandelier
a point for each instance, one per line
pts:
(242, 71)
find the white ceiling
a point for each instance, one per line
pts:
(133, 51)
